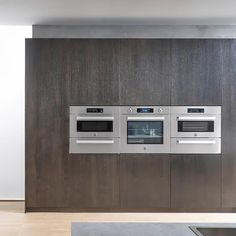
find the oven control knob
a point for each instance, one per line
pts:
(160, 110)
(95, 134)
(130, 109)
(144, 148)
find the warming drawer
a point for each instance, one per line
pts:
(196, 145)
(90, 145)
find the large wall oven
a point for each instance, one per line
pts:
(196, 129)
(94, 129)
(145, 129)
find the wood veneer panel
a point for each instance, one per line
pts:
(195, 181)
(229, 126)
(94, 181)
(94, 72)
(144, 181)
(46, 111)
(60, 73)
(196, 72)
(145, 72)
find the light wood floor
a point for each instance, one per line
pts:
(14, 222)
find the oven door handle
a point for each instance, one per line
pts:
(196, 118)
(145, 118)
(87, 141)
(102, 118)
(196, 141)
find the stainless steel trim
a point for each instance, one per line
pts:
(147, 118)
(192, 118)
(211, 113)
(87, 145)
(130, 113)
(196, 141)
(116, 141)
(208, 110)
(196, 145)
(79, 113)
(94, 141)
(132, 110)
(195, 230)
(95, 118)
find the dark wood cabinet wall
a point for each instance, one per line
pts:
(94, 72)
(145, 72)
(64, 72)
(195, 181)
(144, 181)
(229, 125)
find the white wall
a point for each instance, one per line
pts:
(12, 117)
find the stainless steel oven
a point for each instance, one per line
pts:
(145, 129)
(94, 129)
(196, 129)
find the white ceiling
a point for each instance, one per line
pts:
(118, 12)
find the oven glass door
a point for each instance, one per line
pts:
(94, 126)
(145, 132)
(195, 126)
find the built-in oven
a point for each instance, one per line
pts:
(196, 129)
(145, 129)
(94, 129)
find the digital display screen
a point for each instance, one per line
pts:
(94, 110)
(145, 110)
(195, 110)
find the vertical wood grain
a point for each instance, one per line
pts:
(61, 72)
(229, 126)
(145, 77)
(47, 77)
(195, 181)
(144, 181)
(94, 181)
(94, 72)
(197, 70)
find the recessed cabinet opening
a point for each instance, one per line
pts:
(145, 129)
(145, 132)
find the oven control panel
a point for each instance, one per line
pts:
(145, 110)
